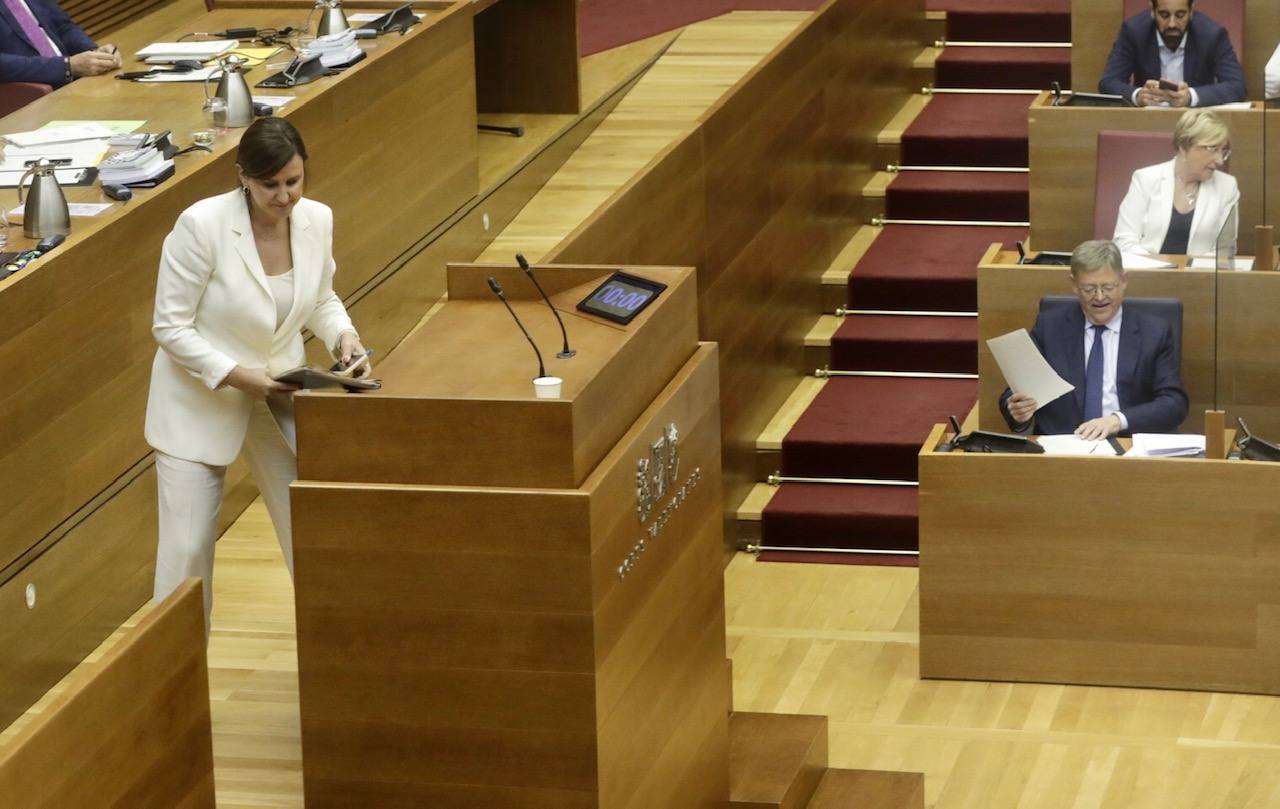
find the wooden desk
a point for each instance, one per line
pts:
(1063, 158)
(526, 50)
(77, 498)
(1099, 571)
(1228, 332)
(1095, 23)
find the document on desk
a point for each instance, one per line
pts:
(1025, 368)
(1211, 263)
(62, 134)
(170, 77)
(1166, 445)
(1141, 261)
(116, 127)
(1073, 445)
(66, 177)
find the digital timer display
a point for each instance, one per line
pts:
(621, 297)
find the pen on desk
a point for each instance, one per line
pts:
(114, 50)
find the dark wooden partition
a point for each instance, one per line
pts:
(760, 195)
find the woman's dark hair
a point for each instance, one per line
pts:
(267, 145)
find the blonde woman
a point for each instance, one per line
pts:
(1178, 207)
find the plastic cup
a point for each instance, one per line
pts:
(547, 387)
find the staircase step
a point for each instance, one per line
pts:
(776, 761)
(1003, 21)
(924, 267)
(871, 427)
(966, 195)
(856, 789)
(968, 130)
(1003, 68)
(906, 343)
(815, 515)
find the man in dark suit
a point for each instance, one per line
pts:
(39, 43)
(1123, 364)
(1176, 45)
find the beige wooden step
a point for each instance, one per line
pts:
(868, 789)
(776, 761)
(835, 281)
(769, 442)
(817, 343)
(750, 513)
(889, 139)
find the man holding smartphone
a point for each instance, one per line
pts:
(1173, 57)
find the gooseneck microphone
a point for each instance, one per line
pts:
(566, 352)
(497, 290)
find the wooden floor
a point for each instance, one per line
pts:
(835, 640)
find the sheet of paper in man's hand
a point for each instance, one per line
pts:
(1025, 368)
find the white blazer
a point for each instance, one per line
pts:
(214, 311)
(1145, 211)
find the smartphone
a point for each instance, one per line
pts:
(1165, 84)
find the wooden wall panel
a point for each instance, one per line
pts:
(527, 56)
(131, 731)
(1095, 23)
(1009, 297)
(1064, 154)
(1132, 590)
(100, 18)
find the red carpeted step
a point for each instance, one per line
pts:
(871, 427)
(987, 196)
(929, 267)
(1004, 21)
(1003, 68)
(835, 516)
(968, 130)
(906, 343)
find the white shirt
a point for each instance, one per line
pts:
(1271, 75)
(282, 291)
(1110, 353)
(1172, 66)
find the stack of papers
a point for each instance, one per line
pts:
(166, 53)
(335, 50)
(135, 167)
(1166, 445)
(1074, 445)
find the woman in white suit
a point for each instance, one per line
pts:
(240, 276)
(1179, 207)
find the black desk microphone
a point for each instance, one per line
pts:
(497, 290)
(566, 352)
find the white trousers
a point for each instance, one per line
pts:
(190, 494)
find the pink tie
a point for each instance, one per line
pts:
(31, 28)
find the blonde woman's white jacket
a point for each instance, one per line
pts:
(1146, 209)
(214, 310)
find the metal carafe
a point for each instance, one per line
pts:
(236, 109)
(45, 212)
(332, 20)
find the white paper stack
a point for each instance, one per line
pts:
(1166, 445)
(335, 49)
(137, 166)
(166, 53)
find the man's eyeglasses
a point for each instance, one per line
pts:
(1093, 289)
(1221, 151)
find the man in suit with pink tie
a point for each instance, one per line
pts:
(39, 43)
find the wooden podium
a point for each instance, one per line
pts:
(506, 601)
